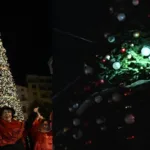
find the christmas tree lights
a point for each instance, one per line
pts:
(8, 92)
(128, 63)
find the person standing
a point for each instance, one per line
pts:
(41, 133)
(11, 131)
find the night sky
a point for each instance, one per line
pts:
(25, 39)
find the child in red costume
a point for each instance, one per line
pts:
(41, 133)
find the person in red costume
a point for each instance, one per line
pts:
(11, 131)
(41, 133)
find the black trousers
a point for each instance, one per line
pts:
(17, 146)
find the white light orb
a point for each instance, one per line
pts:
(129, 56)
(107, 57)
(136, 34)
(135, 2)
(121, 17)
(132, 45)
(116, 65)
(145, 51)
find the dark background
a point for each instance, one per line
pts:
(81, 18)
(25, 39)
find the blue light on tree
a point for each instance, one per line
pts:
(121, 16)
(116, 65)
(145, 51)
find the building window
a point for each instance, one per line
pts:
(24, 109)
(34, 93)
(45, 95)
(42, 80)
(49, 87)
(32, 80)
(42, 87)
(49, 80)
(23, 98)
(33, 86)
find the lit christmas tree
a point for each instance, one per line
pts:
(8, 92)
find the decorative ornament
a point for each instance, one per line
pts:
(128, 107)
(76, 105)
(102, 81)
(106, 35)
(129, 56)
(104, 60)
(141, 68)
(123, 50)
(116, 97)
(132, 45)
(76, 122)
(113, 60)
(88, 70)
(100, 120)
(103, 128)
(66, 148)
(78, 135)
(136, 34)
(65, 129)
(130, 137)
(70, 109)
(111, 10)
(135, 2)
(121, 17)
(107, 57)
(145, 51)
(88, 142)
(111, 39)
(116, 65)
(129, 119)
(98, 99)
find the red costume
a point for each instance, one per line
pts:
(42, 140)
(10, 132)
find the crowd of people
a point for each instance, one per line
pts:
(29, 135)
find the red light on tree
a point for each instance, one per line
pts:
(123, 50)
(131, 137)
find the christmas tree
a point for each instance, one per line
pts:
(8, 92)
(110, 104)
